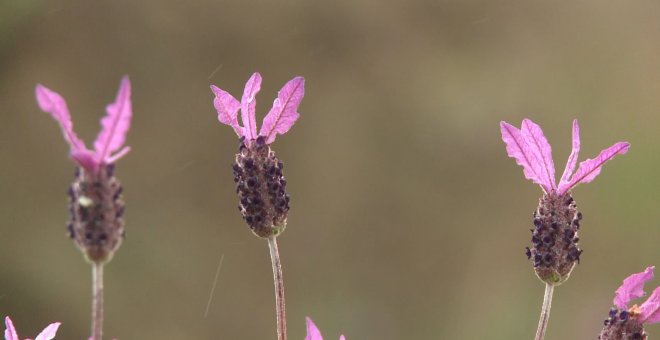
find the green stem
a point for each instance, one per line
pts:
(545, 312)
(97, 301)
(279, 288)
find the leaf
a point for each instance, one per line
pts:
(227, 107)
(248, 105)
(572, 159)
(650, 309)
(51, 102)
(632, 288)
(540, 146)
(517, 148)
(115, 125)
(284, 112)
(589, 169)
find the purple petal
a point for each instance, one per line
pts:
(650, 309)
(284, 111)
(517, 148)
(589, 169)
(10, 332)
(227, 107)
(248, 105)
(572, 159)
(312, 332)
(115, 124)
(632, 288)
(49, 332)
(539, 145)
(52, 103)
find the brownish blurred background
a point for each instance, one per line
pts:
(408, 220)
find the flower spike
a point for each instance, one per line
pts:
(260, 184)
(554, 248)
(47, 334)
(95, 197)
(625, 322)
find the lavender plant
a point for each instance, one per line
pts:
(554, 250)
(627, 323)
(47, 334)
(96, 205)
(260, 184)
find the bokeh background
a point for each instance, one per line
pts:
(408, 220)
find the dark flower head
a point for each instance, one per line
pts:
(95, 201)
(556, 221)
(260, 184)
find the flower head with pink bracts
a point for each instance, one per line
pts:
(95, 197)
(625, 322)
(313, 333)
(47, 334)
(109, 144)
(264, 203)
(556, 220)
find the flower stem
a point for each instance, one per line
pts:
(97, 301)
(545, 312)
(279, 288)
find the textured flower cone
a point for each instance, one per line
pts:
(554, 249)
(260, 185)
(97, 209)
(554, 238)
(622, 325)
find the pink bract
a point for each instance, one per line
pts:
(279, 119)
(633, 288)
(47, 334)
(313, 333)
(109, 144)
(531, 150)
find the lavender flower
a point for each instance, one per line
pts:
(47, 334)
(260, 185)
(556, 220)
(96, 204)
(313, 333)
(627, 323)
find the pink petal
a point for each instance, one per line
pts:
(248, 105)
(539, 145)
(227, 107)
(342, 338)
(49, 332)
(284, 111)
(517, 148)
(52, 103)
(632, 288)
(650, 309)
(115, 124)
(589, 169)
(10, 332)
(572, 159)
(312, 332)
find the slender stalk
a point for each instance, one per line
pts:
(97, 301)
(545, 312)
(279, 288)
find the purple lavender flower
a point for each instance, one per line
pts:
(96, 204)
(313, 333)
(627, 323)
(47, 334)
(556, 220)
(260, 185)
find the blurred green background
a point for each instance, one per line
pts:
(408, 220)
